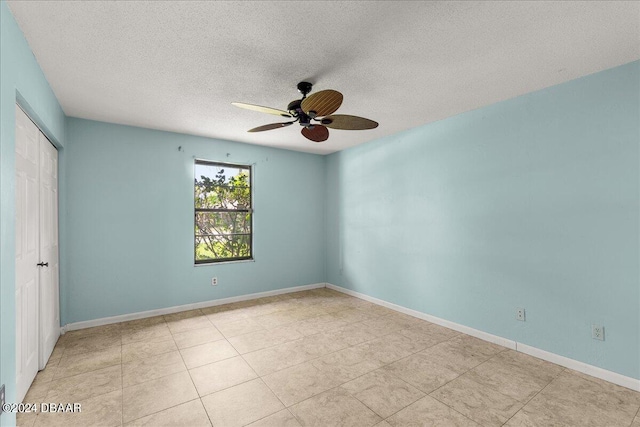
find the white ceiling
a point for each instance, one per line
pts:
(178, 65)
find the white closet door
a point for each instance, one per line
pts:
(49, 300)
(27, 251)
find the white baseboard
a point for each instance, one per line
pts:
(429, 318)
(175, 309)
(594, 371)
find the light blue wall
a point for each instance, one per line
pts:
(531, 202)
(21, 80)
(130, 225)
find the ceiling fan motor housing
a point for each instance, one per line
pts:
(294, 106)
(304, 119)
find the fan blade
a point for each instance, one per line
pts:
(319, 133)
(261, 109)
(269, 127)
(346, 122)
(323, 103)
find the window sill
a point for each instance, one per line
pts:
(210, 264)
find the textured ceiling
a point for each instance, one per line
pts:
(178, 65)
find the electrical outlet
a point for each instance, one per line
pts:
(597, 332)
(520, 314)
(214, 281)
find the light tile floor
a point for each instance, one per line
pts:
(314, 358)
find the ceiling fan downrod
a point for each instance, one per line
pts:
(295, 106)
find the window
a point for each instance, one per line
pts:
(223, 214)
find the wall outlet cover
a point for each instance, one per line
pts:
(597, 332)
(214, 281)
(520, 314)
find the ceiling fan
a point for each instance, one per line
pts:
(318, 107)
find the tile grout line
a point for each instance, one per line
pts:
(351, 346)
(400, 379)
(466, 416)
(467, 371)
(52, 378)
(293, 415)
(263, 382)
(348, 346)
(428, 395)
(167, 408)
(172, 336)
(90, 370)
(312, 359)
(173, 406)
(366, 373)
(189, 372)
(395, 376)
(267, 385)
(319, 357)
(364, 404)
(199, 398)
(87, 352)
(297, 339)
(634, 418)
(495, 391)
(535, 395)
(101, 394)
(121, 385)
(313, 305)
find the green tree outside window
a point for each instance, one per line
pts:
(223, 214)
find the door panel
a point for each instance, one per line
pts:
(27, 248)
(37, 288)
(49, 306)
